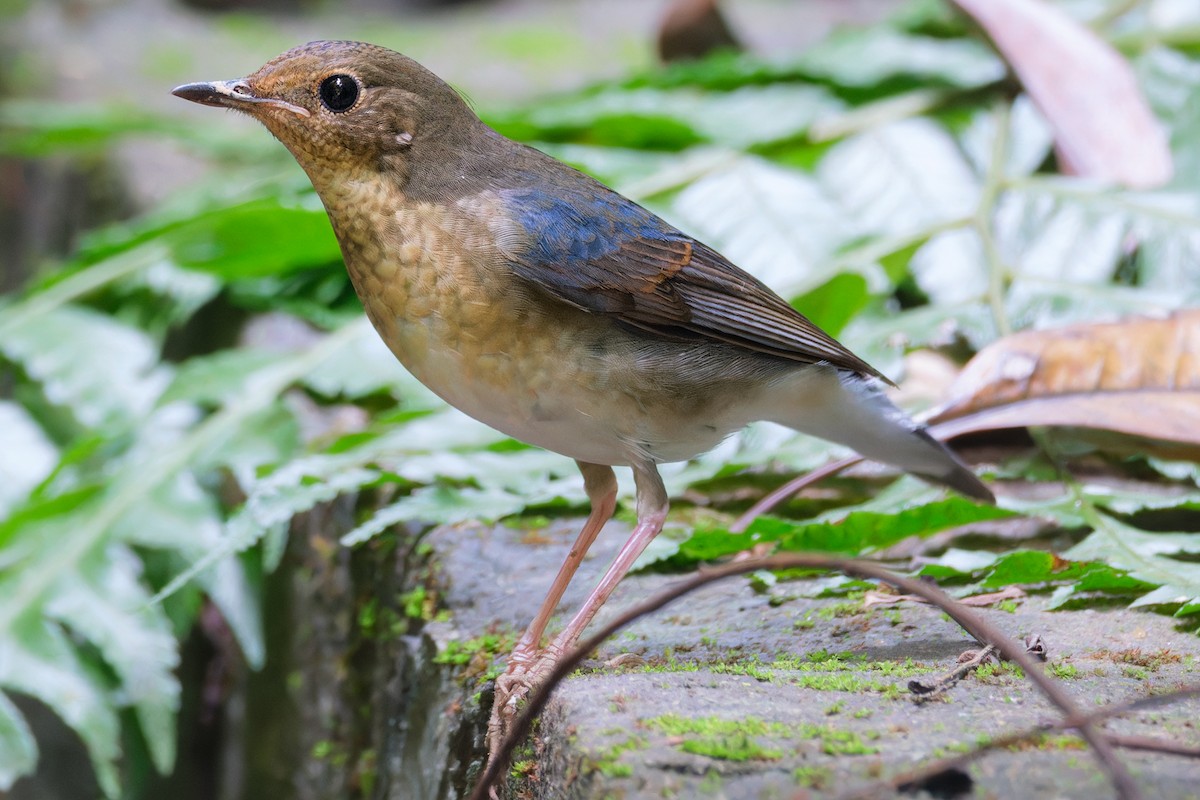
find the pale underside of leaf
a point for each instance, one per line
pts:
(18, 749)
(38, 660)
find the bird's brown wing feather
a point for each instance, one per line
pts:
(676, 287)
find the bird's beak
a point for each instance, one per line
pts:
(232, 94)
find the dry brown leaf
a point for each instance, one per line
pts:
(1139, 377)
(1086, 90)
(693, 29)
(874, 597)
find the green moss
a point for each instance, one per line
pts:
(461, 652)
(804, 624)
(819, 670)
(734, 739)
(1056, 742)
(1067, 672)
(616, 770)
(812, 777)
(1137, 673)
(607, 761)
(997, 672)
(675, 725)
(735, 747)
(331, 752)
(711, 783)
(751, 667)
(850, 608)
(841, 682)
(367, 772)
(838, 742)
(418, 604)
(376, 621)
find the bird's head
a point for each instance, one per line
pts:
(344, 106)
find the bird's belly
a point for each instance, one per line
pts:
(491, 359)
(537, 377)
(539, 406)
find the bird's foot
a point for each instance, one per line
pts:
(526, 671)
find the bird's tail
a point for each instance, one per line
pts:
(851, 410)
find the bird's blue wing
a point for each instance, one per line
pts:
(598, 251)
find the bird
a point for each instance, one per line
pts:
(539, 301)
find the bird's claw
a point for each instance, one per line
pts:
(523, 675)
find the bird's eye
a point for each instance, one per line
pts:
(338, 92)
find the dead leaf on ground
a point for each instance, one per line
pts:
(1087, 91)
(875, 597)
(1139, 377)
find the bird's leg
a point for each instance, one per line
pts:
(652, 512)
(601, 486)
(652, 506)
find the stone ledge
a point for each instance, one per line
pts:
(733, 700)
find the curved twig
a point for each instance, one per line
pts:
(982, 630)
(790, 488)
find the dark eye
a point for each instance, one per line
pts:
(338, 92)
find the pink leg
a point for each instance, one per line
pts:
(516, 683)
(601, 486)
(652, 508)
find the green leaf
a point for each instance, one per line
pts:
(1067, 240)
(1171, 82)
(40, 662)
(105, 604)
(268, 236)
(32, 128)
(1021, 567)
(615, 166)
(440, 505)
(1143, 555)
(721, 71)
(213, 379)
(874, 57)
(653, 119)
(834, 303)
(911, 178)
(365, 367)
(957, 565)
(1029, 567)
(26, 458)
(1028, 140)
(1120, 499)
(105, 372)
(858, 532)
(163, 296)
(778, 224)
(18, 750)
(179, 516)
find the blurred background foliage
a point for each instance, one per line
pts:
(184, 367)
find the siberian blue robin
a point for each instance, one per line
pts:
(544, 304)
